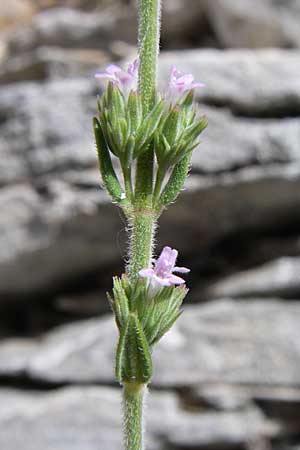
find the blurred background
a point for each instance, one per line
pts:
(228, 376)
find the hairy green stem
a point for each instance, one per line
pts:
(142, 219)
(133, 399)
(149, 32)
(148, 36)
(142, 227)
(127, 181)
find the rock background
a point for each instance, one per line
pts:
(228, 375)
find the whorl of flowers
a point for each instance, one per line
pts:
(171, 127)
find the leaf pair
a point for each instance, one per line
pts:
(133, 358)
(126, 129)
(178, 133)
(142, 319)
(158, 313)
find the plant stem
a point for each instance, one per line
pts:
(127, 181)
(142, 222)
(133, 399)
(148, 35)
(141, 242)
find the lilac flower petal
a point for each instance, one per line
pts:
(181, 82)
(199, 84)
(146, 273)
(175, 280)
(124, 79)
(162, 281)
(113, 68)
(174, 72)
(185, 79)
(104, 75)
(133, 67)
(165, 263)
(162, 273)
(169, 254)
(181, 269)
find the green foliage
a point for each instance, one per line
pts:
(175, 182)
(125, 130)
(178, 132)
(108, 174)
(133, 359)
(142, 319)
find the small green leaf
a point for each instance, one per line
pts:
(118, 102)
(162, 150)
(129, 151)
(193, 131)
(99, 104)
(109, 177)
(122, 354)
(123, 128)
(108, 96)
(163, 330)
(107, 132)
(148, 127)
(111, 140)
(115, 308)
(135, 112)
(172, 125)
(159, 312)
(120, 301)
(188, 100)
(133, 358)
(176, 181)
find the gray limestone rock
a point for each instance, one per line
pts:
(226, 341)
(55, 211)
(252, 342)
(280, 402)
(72, 28)
(184, 23)
(47, 240)
(46, 63)
(89, 418)
(45, 129)
(276, 278)
(14, 356)
(252, 83)
(254, 24)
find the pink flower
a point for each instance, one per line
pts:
(121, 78)
(182, 82)
(162, 273)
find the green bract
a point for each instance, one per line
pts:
(142, 321)
(123, 130)
(127, 130)
(177, 134)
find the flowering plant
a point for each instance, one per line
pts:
(152, 135)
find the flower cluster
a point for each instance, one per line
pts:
(162, 272)
(179, 82)
(178, 132)
(124, 129)
(144, 313)
(124, 79)
(182, 82)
